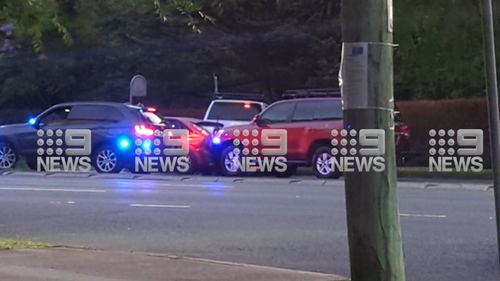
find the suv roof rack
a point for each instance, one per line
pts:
(240, 96)
(311, 93)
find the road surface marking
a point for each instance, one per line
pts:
(52, 189)
(423, 216)
(196, 185)
(159, 206)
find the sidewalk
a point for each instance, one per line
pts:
(58, 264)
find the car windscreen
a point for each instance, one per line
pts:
(235, 111)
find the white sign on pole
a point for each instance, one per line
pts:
(138, 86)
(353, 76)
(390, 16)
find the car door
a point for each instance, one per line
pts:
(45, 128)
(102, 120)
(328, 116)
(303, 128)
(276, 117)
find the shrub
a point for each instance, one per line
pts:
(423, 115)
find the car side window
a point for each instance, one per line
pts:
(95, 113)
(278, 113)
(87, 113)
(57, 115)
(304, 111)
(173, 124)
(113, 114)
(329, 110)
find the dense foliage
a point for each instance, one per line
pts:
(89, 50)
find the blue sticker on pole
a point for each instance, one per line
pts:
(357, 51)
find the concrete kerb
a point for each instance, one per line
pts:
(331, 277)
(453, 186)
(32, 174)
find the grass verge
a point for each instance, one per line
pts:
(9, 244)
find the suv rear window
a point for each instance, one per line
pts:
(329, 110)
(309, 110)
(237, 111)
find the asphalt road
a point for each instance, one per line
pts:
(448, 234)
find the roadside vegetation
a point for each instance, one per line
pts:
(9, 244)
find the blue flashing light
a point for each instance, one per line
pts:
(146, 145)
(216, 140)
(32, 121)
(349, 126)
(124, 143)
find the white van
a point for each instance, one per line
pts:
(229, 112)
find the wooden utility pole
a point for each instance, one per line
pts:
(374, 231)
(492, 94)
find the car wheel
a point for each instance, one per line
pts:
(8, 156)
(322, 164)
(290, 171)
(106, 160)
(229, 163)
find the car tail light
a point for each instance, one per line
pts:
(247, 105)
(143, 131)
(195, 139)
(405, 130)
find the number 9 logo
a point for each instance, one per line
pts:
(377, 139)
(86, 142)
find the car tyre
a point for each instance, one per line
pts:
(322, 164)
(8, 156)
(227, 167)
(107, 160)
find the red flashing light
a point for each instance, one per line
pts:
(151, 109)
(143, 131)
(246, 104)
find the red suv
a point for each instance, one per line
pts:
(308, 123)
